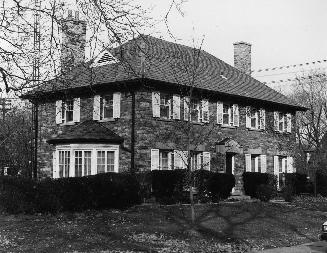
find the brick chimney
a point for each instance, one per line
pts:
(242, 57)
(73, 41)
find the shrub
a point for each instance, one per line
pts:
(265, 192)
(145, 180)
(220, 185)
(251, 181)
(298, 182)
(110, 190)
(321, 180)
(201, 182)
(168, 185)
(288, 193)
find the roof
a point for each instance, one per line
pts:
(156, 59)
(86, 132)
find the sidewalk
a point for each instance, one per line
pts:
(314, 247)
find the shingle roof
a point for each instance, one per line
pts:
(157, 59)
(86, 132)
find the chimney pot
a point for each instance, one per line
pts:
(242, 57)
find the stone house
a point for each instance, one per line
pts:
(152, 104)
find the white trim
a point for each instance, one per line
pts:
(220, 107)
(116, 104)
(96, 107)
(156, 104)
(108, 55)
(176, 107)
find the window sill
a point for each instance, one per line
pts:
(107, 120)
(227, 126)
(67, 124)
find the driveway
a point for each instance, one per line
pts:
(314, 247)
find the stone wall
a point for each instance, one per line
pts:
(159, 133)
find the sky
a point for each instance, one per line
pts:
(282, 32)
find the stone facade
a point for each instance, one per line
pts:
(158, 133)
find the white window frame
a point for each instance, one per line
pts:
(64, 110)
(168, 103)
(83, 161)
(84, 147)
(230, 114)
(254, 116)
(104, 104)
(282, 121)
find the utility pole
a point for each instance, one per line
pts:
(36, 80)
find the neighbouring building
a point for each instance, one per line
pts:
(144, 104)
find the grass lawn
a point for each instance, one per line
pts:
(225, 227)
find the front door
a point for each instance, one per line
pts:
(229, 163)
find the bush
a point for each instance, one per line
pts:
(171, 186)
(220, 185)
(251, 181)
(321, 180)
(168, 185)
(288, 193)
(298, 182)
(265, 192)
(110, 190)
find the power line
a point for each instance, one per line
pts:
(294, 79)
(290, 66)
(293, 72)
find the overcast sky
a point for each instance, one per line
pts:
(282, 32)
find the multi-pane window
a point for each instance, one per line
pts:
(281, 121)
(82, 163)
(166, 160)
(196, 160)
(106, 107)
(227, 114)
(282, 164)
(254, 118)
(105, 161)
(64, 163)
(165, 106)
(195, 110)
(67, 111)
(255, 163)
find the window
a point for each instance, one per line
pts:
(68, 111)
(255, 163)
(82, 163)
(195, 110)
(165, 106)
(105, 161)
(77, 160)
(175, 159)
(227, 114)
(255, 118)
(64, 163)
(106, 106)
(283, 122)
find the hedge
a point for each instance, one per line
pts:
(102, 191)
(251, 181)
(298, 182)
(321, 180)
(171, 186)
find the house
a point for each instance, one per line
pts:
(145, 104)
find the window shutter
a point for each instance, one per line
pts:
(116, 104)
(247, 117)
(176, 107)
(236, 115)
(58, 111)
(276, 165)
(186, 108)
(169, 160)
(199, 161)
(77, 110)
(206, 160)
(248, 162)
(263, 161)
(219, 112)
(290, 168)
(185, 159)
(178, 162)
(262, 119)
(154, 159)
(156, 104)
(55, 169)
(96, 107)
(289, 122)
(256, 164)
(276, 121)
(205, 110)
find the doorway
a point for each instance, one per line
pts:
(230, 163)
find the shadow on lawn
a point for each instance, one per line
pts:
(227, 222)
